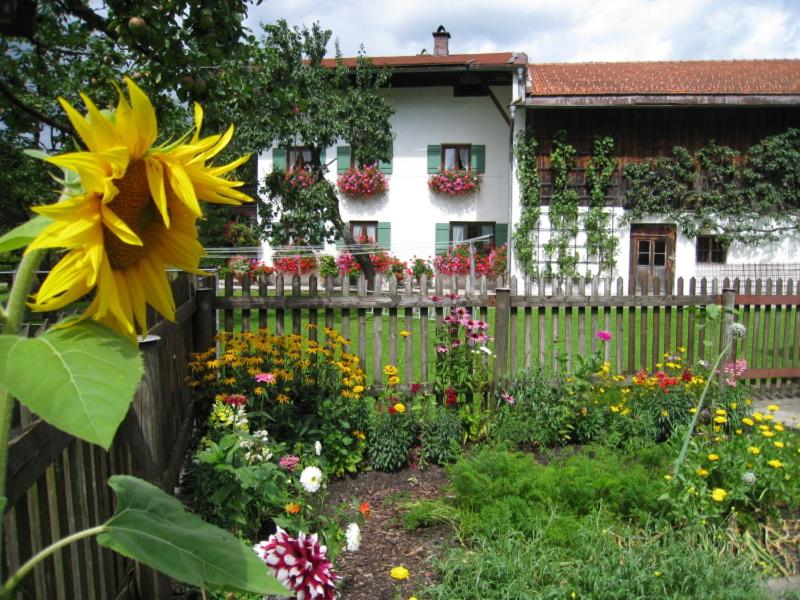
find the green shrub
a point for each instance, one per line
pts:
(440, 435)
(390, 439)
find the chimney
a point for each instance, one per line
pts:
(440, 42)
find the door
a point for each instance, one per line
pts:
(653, 255)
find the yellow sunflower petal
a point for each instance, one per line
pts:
(183, 188)
(81, 125)
(118, 227)
(102, 128)
(155, 181)
(155, 281)
(87, 165)
(144, 118)
(198, 121)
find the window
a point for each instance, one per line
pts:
(467, 231)
(297, 157)
(710, 249)
(457, 157)
(364, 232)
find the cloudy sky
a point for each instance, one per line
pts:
(556, 30)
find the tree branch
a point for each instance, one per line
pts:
(39, 116)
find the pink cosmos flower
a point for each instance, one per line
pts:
(299, 564)
(604, 335)
(265, 378)
(509, 398)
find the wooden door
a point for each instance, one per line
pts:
(653, 255)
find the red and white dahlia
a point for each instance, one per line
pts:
(299, 564)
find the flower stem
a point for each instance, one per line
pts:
(16, 578)
(15, 309)
(688, 437)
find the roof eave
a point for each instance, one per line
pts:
(664, 100)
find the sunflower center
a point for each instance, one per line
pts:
(134, 205)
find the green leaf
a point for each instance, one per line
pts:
(154, 528)
(21, 236)
(80, 378)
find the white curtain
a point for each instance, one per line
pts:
(449, 158)
(459, 233)
(463, 154)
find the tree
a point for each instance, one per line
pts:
(333, 105)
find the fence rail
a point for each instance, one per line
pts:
(551, 323)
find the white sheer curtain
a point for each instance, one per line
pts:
(463, 154)
(449, 158)
(459, 233)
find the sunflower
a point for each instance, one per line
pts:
(136, 214)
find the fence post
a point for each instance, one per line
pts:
(728, 303)
(501, 319)
(205, 322)
(145, 441)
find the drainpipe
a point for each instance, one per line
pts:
(509, 239)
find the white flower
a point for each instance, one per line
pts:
(317, 448)
(749, 477)
(311, 479)
(485, 350)
(353, 536)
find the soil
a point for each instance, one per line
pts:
(384, 542)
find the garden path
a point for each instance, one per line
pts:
(789, 411)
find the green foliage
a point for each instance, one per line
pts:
(391, 437)
(538, 416)
(528, 177)
(236, 484)
(22, 235)
(600, 240)
(440, 435)
(327, 266)
(563, 210)
(153, 528)
(92, 374)
(715, 191)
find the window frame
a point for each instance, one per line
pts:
(353, 224)
(290, 150)
(707, 247)
(456, 147)
(478, 225)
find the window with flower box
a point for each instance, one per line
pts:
(346, 159)
(448, 234)
(457, 157)
(364, 232)
(709, 249)
(293, 158)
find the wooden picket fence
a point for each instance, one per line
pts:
(533, 322)
(57, 485)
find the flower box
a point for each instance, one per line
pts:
(363, 182)
(455, 183)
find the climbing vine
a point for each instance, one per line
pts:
(563, 210)
(600, 240)
(528, 177)
(716, 191)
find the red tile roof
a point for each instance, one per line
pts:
(496, 59)
(713, 77)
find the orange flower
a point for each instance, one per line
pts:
(365, 509)
(292, 508)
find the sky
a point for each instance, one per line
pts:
(555, 30)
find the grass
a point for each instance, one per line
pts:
(774, 329)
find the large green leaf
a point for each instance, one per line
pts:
(21, 236)
(80, 378)
(155, 529)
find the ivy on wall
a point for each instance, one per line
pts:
(563, 211)
(528, 177)
(717, 191)
(600, 240)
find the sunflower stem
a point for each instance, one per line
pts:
(15, 309)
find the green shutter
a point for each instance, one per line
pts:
(278, 159)
(322, 157)
(385, 235)
(342, 159)
(385, 167)
(434, 158)
(500, 233)
(479, 158)
(442, 237)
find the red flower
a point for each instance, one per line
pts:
(415, 388)
(450, 396)
(365, 509)
(392, 410)
(687, 375)
(235, 399)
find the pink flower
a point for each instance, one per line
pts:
(604, 335)
(509, 398)
(441, 349)
(299, 564)
(265, 378)
(289, 462)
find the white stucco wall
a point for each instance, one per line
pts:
(427, 116)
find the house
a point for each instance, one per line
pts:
(466, 111)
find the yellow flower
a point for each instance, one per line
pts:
(400, 407)
(399, 573)
(772, 407)
(775, 463)
(359, 435)
(748, 402)
(664, 413)
(713, 457)
(681, 349)
(282, 399)
(721, 412)
(758, 416)
(754, 450)
(292, 508)
(748, 421)
(393, 380)
(390, 370)
(701, 472)
(692, 410)
(358, 389)
(720, 420)
(778, 444)
(768, 434)
(135, 215)
(718, 494)
(668, 477)
(405, 333)
(656, 573)
(778, 427)
(734, 406)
